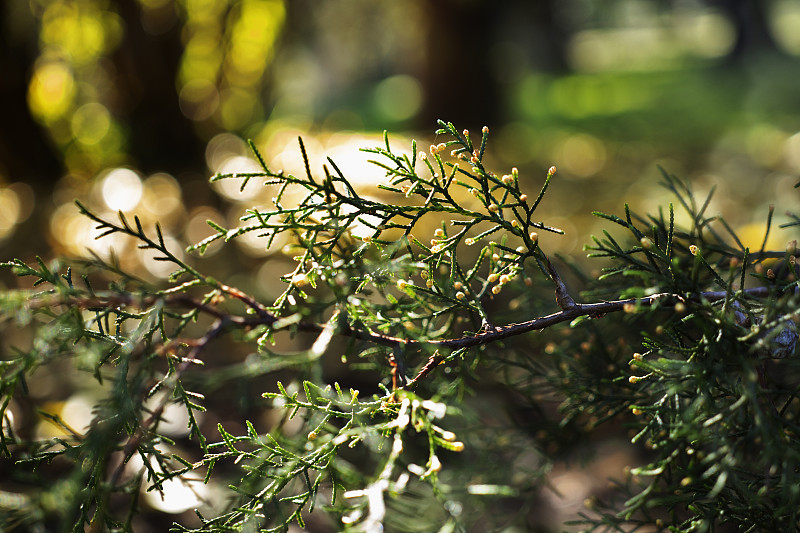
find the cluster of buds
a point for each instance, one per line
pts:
(437, 148)
(501, 279)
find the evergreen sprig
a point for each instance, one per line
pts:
(698, 363)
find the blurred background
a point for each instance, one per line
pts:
(132, 104)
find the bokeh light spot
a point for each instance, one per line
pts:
(785, 24)
(398, 97)
(198, 99)
(582, 155)
(162, 196)
(10, 209)
(122, 189)
(91, 123)
(51, 90)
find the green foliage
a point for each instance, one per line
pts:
(686, 348)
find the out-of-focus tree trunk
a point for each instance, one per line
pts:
(26, 151)
(161, 137)
(460, 79)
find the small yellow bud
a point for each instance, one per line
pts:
(515, 223)
(460, 295)
(636, 411)
(465, 133)
(423, 156)
(439, 232)
(492, 278)
(436, 464)
(507, 179)
(441, 147)
(694, 249)
(434, 149)
(646, 243)
(534, 236)
(436, 249)
(520, 249)
(367, 238)
(770, 273)
(469, 241)
(473, 192)
(523, 197)
(680, 308)
(457, 446)
(552, 171)
(638, 356)
(312, 435)
(458, 285)
(494, 208)
(496, 289)
(485, 130)
(504, 279)
(633, 379)
(402, 284)
(495, 258)
(429, 283)
(424, 274)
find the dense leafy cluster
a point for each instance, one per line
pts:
(447, 412)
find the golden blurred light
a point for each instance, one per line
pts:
(162, 197)
(75, 28)
(10, 210)
(398, 97)
(252, 40)
(221, 148)
(51, 90)
(752, 234)
(75, 413)
(121, 189)
(581, 155)
(238, 108)
(90, 123)
(198, 99)
(345, 150)
(230, 187)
